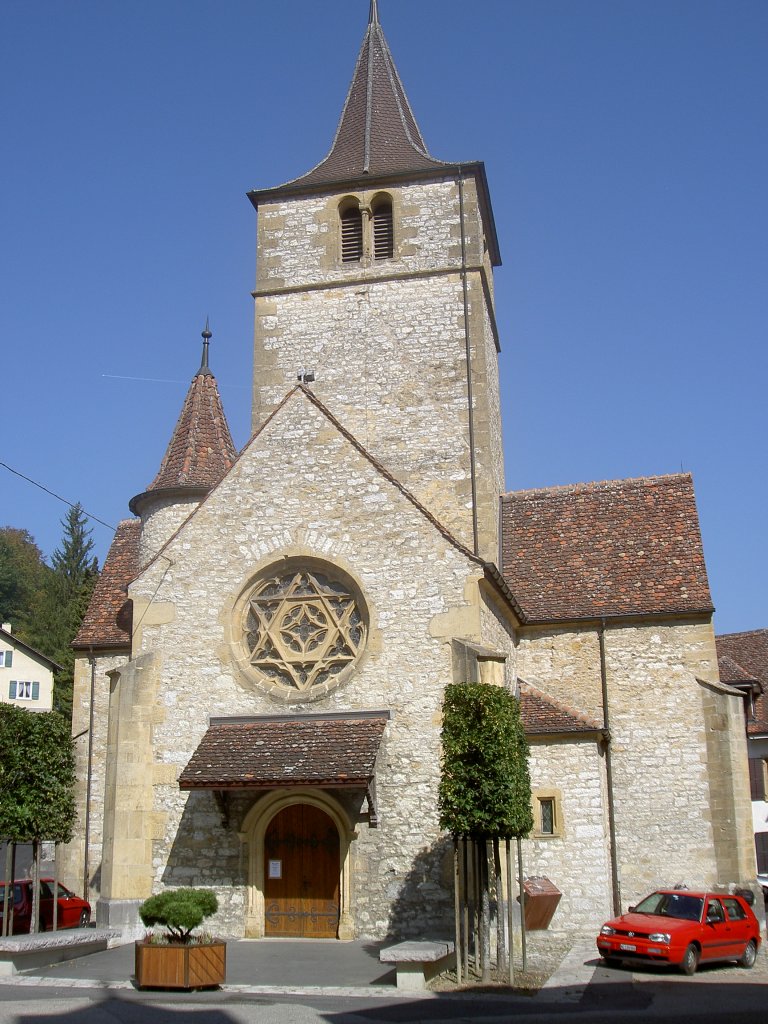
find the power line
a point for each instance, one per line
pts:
(57, 496)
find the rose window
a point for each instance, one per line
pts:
(302, 629)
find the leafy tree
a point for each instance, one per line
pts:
(37, 776)
(485, 788)
(23, 579)
(485, 793)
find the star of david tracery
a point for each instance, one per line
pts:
(303, 629)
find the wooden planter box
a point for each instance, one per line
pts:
(194, 966)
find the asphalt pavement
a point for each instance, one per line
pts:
(330, 982)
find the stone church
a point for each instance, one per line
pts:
(261, 671)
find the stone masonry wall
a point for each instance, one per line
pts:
(659, 740)
(325, 501)
(72, 856)
(577, 859)
(387, 341)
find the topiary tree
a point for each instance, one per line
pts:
(485, 789)
(179, 911)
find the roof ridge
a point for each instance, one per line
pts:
(743, 632)
(591, 484)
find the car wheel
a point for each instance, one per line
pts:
(85, 919)
(690, 961)
(749, 955)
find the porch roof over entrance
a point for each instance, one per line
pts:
(287, 750)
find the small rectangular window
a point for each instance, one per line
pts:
(547, 816)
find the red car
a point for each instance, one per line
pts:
(683, 928)
(73, 912)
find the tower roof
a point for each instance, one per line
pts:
(378, 138)
(201, 450)
(377, 133)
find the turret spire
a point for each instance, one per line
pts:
(373, 14)
(201, 450)
(206, 336)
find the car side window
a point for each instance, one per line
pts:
(735, 910)
(45, 891)
(715, 912)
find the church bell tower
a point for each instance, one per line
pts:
(375, 277)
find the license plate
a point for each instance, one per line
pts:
(627, 948)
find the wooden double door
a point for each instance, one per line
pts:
(301, 874)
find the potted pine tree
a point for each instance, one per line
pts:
(177, 958)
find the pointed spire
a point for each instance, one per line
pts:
(201, 449)
(206, 336)
(377, 133)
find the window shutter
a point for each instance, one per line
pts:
(761, 849)
(8, 659)
(383, 232)
(12, 690)
(757, 778)
(35, 691)
(351, 235)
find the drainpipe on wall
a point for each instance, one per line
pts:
(615, 888)
(468, 351)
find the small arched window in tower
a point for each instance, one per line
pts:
(351, 234)
(383, 231)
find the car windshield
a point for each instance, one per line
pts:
(672, 904)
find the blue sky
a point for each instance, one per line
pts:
(627, 154)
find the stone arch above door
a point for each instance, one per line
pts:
(253, 834)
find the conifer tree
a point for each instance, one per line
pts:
(74, 571)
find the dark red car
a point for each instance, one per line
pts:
(683, 928)
(73, 912)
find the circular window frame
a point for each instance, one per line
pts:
(240, 626)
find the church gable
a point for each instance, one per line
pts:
(309, 531)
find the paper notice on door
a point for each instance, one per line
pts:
(275, 869)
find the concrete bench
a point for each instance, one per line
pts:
(25, 952)
(418, 960)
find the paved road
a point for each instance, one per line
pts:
(581, 991)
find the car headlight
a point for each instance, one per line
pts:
(607, 930)
(660, 937)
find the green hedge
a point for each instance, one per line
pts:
(485, 788)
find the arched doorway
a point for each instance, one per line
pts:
(301, 874)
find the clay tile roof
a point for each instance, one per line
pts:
(543, 715)
(743, 658)
(201, 449)
(286, 750)
(615, 548)
(377, 133)
(107, 622)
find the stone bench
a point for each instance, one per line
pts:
(25, 952)
(418, 960)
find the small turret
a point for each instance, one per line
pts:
(200, 452)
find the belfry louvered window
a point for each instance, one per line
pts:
(351, 235)
(383, 232)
